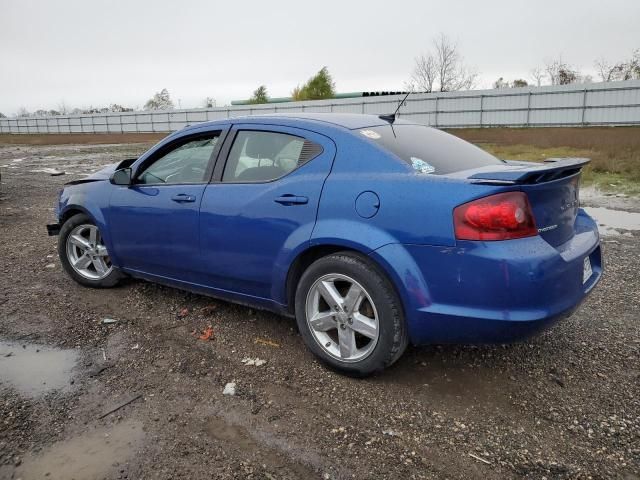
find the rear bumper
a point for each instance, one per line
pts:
(492, 292)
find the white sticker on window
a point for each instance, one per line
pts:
(370, 134)
(421, 166)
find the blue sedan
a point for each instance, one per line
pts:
(372, 232)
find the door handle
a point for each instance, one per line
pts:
(183, 198)
(289, 199)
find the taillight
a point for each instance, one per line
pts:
(498, 217)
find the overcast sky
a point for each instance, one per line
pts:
(100, 52)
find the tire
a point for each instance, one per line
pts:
(69, 251)
(340, 276)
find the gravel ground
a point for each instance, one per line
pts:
(564, 405)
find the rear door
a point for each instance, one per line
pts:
(261, 205)
(154, 222)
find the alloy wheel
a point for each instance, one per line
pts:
(342, 317)
(87, 254)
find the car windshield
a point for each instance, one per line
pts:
(429, 150)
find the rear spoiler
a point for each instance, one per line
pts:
(517, 172)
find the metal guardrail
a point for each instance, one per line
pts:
(615, 103)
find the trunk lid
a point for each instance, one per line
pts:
(552, 188)
(555, 206)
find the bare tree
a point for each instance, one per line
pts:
(63, 108)
(623, 70)
(114, 107)
(442, 68)
(561, 73)
(453, 74)
(606, 71)
(501, 83)
(632, 67)
(538, 75)
(424, 73)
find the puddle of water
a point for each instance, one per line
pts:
(51, 171)
(609, 220)
(278, 458)
(452, 387)
(35, 369)
(88, 456)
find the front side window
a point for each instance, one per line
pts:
(186, 163)
(264, 156)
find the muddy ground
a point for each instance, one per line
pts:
(564, 405)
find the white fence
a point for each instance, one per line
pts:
(615, 103)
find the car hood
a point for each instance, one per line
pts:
(104, 173)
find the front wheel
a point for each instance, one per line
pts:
(349, 314)
(84, 255)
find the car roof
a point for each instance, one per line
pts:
(351, 121)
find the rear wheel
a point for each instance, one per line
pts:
(349, 315)
(84, 255)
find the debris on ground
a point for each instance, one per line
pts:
(54, 172)
(98, 370)
(229, 389)
(115, 409)
(207, 333)
(108, 321)
(183, 313)
(265, 341)
(209, 309)
(257, 362)
(480, 459)
(391, 433)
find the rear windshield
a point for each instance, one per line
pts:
(429, 150)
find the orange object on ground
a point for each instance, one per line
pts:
(207, 333)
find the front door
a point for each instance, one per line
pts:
(154, 222)
(262, 205)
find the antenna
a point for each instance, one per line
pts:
(392, 117)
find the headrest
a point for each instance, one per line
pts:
(264, 144)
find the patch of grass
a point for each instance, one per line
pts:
(610, 182)
(79, 138)
(591, 175)
(614, 151)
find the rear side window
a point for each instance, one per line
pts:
(258, 156)
(429, 150)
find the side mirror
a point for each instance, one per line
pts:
(121, 177)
